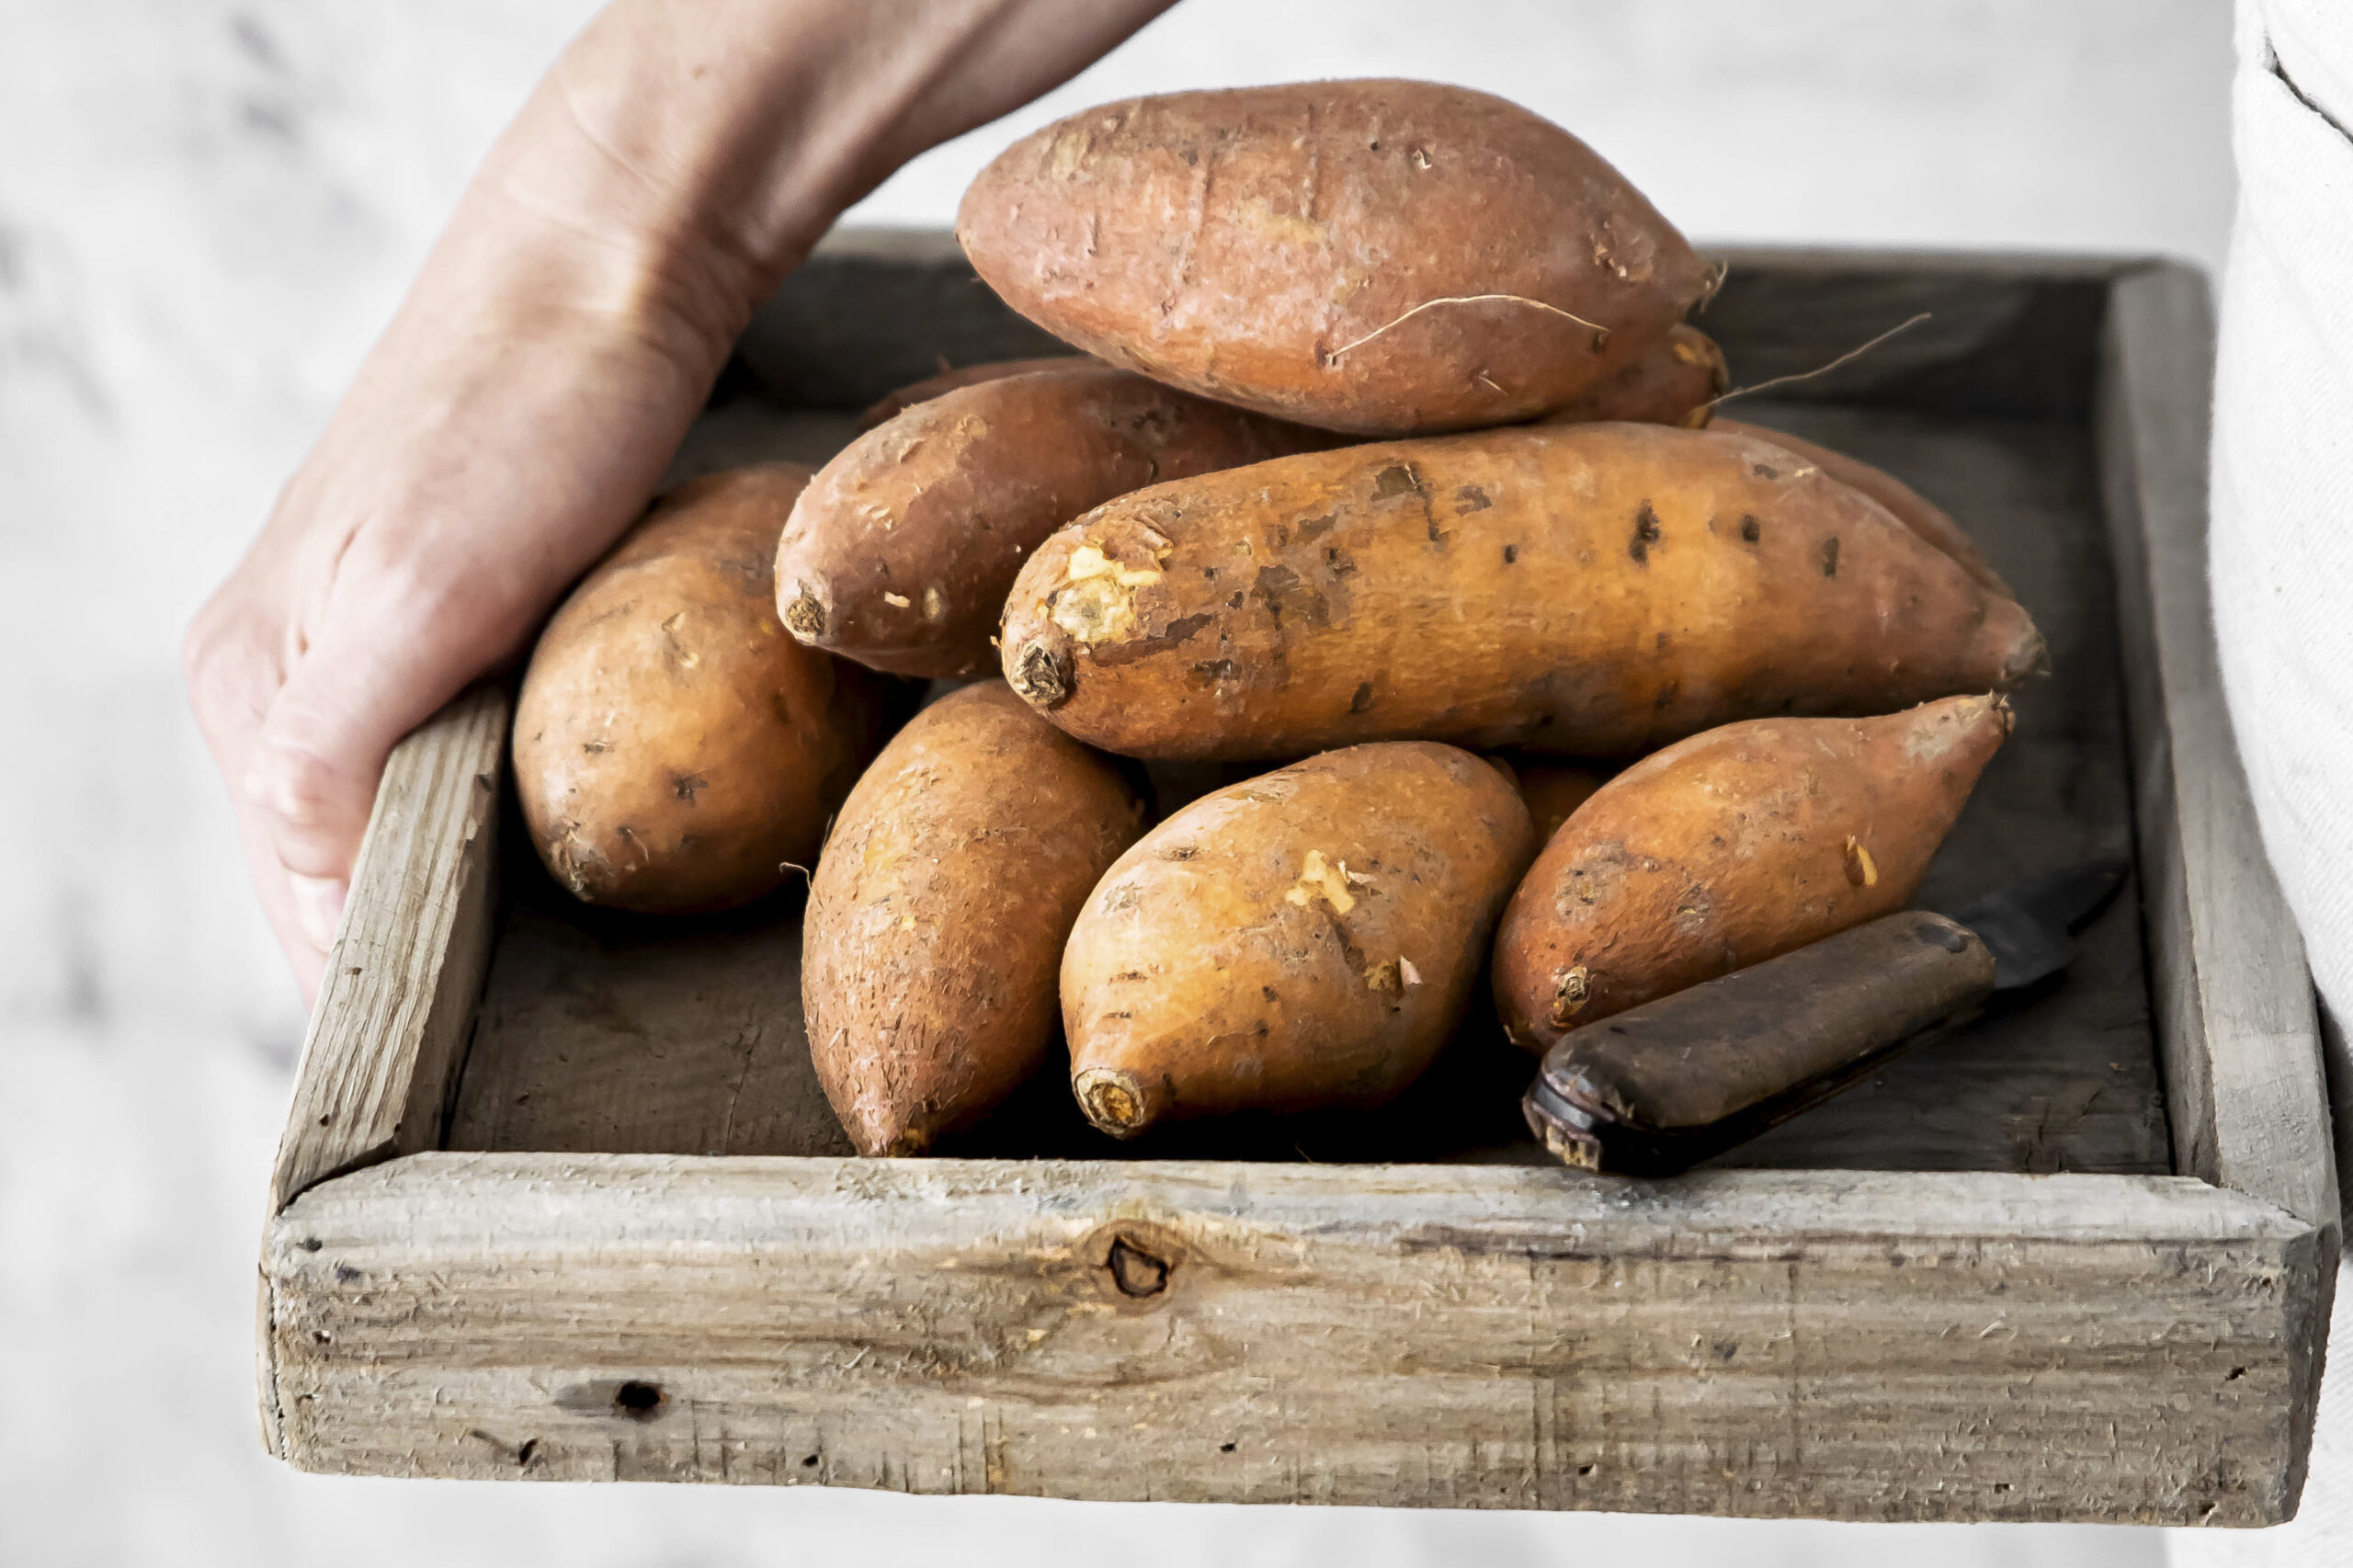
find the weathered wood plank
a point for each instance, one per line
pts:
(2236, 1022)
(873, 310)
(622, 1034)
(2236, 1017)
(2012, 336)
(752, 430)
(1842, 1346)
(387, 1032)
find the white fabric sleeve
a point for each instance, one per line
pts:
(2282, 559)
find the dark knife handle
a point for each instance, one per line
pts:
(1661, 1087)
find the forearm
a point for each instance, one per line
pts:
(675, 163)
(679, 160)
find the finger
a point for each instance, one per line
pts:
(233, 676)
(390, 650)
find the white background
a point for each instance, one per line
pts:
(206, 212)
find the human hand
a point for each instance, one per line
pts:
(524, 401)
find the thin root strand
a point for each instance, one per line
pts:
(1601, 333)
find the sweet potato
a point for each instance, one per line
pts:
(938, 915)
(930, 386)
(900, 552)
(1592, 589)
(1306, 939)
(1380, 257)
(1675, 381)
(674, 749)
(1908, 506)
(1730, 848)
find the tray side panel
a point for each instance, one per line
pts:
(2236, 1017)
(2237, 1026)
(1843, 1346)
(388, 1033)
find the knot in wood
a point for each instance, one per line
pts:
(1135, 1270)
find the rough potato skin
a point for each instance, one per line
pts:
(1306, 939)
(930, 386)
(900, 552)
(1908, 506)
(1380, 257)
(1591, 589)
(1730, 848)
(938, 915)
(674, 749)
(1677, 381)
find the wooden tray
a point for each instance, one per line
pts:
(558, 1197)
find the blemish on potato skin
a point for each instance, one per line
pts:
(1569, 993)
(1830, 556)
(1471, 498)
(1326, 879)
(684, 785)
(1751, 530)
(1277, 587)
(1362, 700)
(1646, 534)
(1201, 676)
(1397, 478)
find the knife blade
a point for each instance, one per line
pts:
(1657, 1088)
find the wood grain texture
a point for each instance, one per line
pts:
(623, 1034)
(387, 1032)
(2237, 1015)
(749, 429)
(2010, 337)
(1833, 1346)
(872, 310)
(2237, 1023)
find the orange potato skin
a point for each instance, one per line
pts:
(672, 748)
(1596, 590)
(1306, 939)
(1732, 847)
(1380, 257)
(900, 552)
(930, 386)
(1675, 381)
(938, 914)
(1908, 506)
